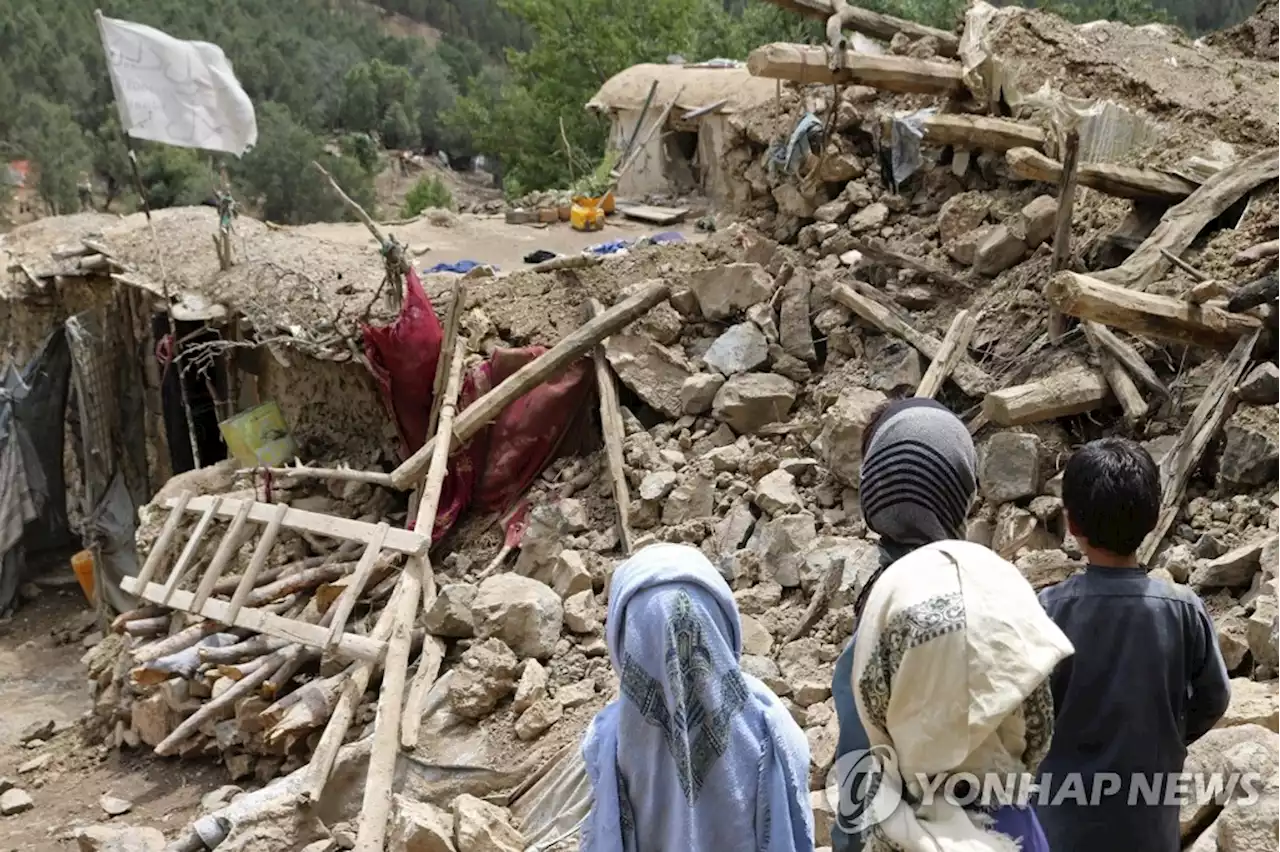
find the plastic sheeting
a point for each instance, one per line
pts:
(906, 134)
(555, 805)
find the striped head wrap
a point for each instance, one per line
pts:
(918, 474)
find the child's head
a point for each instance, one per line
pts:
(1111, 492)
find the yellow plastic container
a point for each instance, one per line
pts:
(605, 202)
(584, 218)
(82, 565)
(259, 436)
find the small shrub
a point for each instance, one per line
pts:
(427, 192)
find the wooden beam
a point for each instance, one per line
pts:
(1120, 181)
(883, 27)
(261, 621)
(401, 541)
(160, 549)
(1162, 317)
(950, 352)
(1261, 251)
(868, 304)
(547, 365)
(980, 131)
(1215, 406)
(806, 64)
(881, 254)
(611, 426)
(347, 600)
(452, 322)
(260, 553)
(1062, 228)
(1127, 355)
(1121, 383)
(1182, 223)
(188, 554)
(226, 549)
(1063, 394)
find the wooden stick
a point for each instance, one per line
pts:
(226, 549)
(1135, 407)
(1256, 253)
(179, 641)
(1183, 265)
(883, 27)
(254, 646)
(616, 175)
(273, 685)
(415, 579)
(545, 366)
(181, 664)
(869, 305)
(452, 321)
(611, 426)
(188, 554)
(1118, 181)
(950, 352)
(227, 699)
(165, 539)
(347, 600)
(1162, 317)
(1127, 355)
(428, 670)
(1062, 228)
(808, 64)
(1215, 406)
(141, 627)
(260, 554)
(979, 131)
(359, 211)
(880, 254)
(342, 474)
(570, 261)
(1073, 391)
(140, 614)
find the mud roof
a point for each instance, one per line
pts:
(703, 85)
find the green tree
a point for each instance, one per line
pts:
(427, 192)
(49, 135)
(175, 176)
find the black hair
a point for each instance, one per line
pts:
(1111, 491)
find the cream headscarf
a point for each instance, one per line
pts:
(950, 671)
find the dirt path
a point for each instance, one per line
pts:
(42, 680)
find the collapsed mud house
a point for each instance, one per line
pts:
(908, 239)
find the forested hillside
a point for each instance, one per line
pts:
(322, 73)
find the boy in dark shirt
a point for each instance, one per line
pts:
(1147, 678)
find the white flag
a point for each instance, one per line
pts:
(178, 92)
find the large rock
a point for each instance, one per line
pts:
(481, 827)
(1037, 220)
(733, 529)
(1010, 468)
(723, 291)
(1044, 568)
(1251, 826)
(1252, 448)
(567, 575)
(1234, 569)
(538, 719)
(15, 800)
(999, 250)
(532, 687)
(1233, 637)
(485, 675)
(450, 616)
(419, 827)
(580, 612)
(119, 838)
(794, 327)
(694, 497)
(961, 214)
(750, 401)
(869, 218)
(781, 544)
(1252, 703)
(652, 371)
(699, 391)
(1262, 385)
(522, 612)
(776, 494)
(1218, 754)
(840, 442)
(739, 350)
(756, 639)
(543, 539)
(1260, 632)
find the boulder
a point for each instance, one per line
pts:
(733, 530)
(723, 291)
(739, 350)
(522, 612)
(869, 218)
(693, 498)
(1233, 637)
(485, 675)
(1260, 632)
(419, 827)
(999, 250)
(699, 391)
(776, 494)
(652, 371)
(119, 838)
(580, 612)
(531, 688)
(894, 366)
(538, 719)
(1231, 570)
(1037, 220)
(834, 211)
(1252, 703)
(1010, 467)
(964, 249)
(792, 202)
(1219, 753)
(1262, 385)
(961, 214)
(1252, 449)
(1044, 568)
(1179, 561)
(766, 671)
(750, 401)
(781, 544)
(822, 751)
(544, 537)
(567, 575)
(840, 442)
(662, 322)
(1251, 826)
(657, 485)
(756, 638)
(481, 827)
(15, 800)
(450, 615)
(794, 328)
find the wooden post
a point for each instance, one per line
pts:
(611, 426)
(808, 64)
(347, 600)
(1073, 391)
(226, 549)
(1119, 181)
(1062, 228)
(1135, 407)
(188, 554)
(258, 560)
(875, 24)
(165, 540)
(949, 354)
(451, 324)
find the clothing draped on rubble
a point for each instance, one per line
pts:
(951, 675)
(694, 754)
(790, 155)
(495, 466)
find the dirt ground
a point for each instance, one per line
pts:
(40, 680)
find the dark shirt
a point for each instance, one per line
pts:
(1146, 680)
(853, 737)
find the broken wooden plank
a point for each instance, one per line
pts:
(547, 365)
(1183, 265)
(164, 541)
(1121, 383)
(1261, 251)
(1182, 223)
(807, 64)
(188, 554)
(226, 549)
(1120, 181)
(1072, 391)
(881, 254)
(342, 474)
(1127, 355)
(653, 213)
(347, 600)
(1215, 406)
(611, 426)
(1163, 317)
(260, 553)
(260, 621)
(875, 24)
(1062, 227)
(401, 541)
(452, 323)
(953, 348)
(867, 304)
(979, 131)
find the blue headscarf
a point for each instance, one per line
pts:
(695, 754)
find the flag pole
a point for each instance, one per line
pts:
(175, 352)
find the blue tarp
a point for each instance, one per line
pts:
(458, 266)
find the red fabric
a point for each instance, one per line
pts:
(498, 463)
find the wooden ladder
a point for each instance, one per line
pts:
(201, 601)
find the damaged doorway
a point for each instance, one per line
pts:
(206, 386)
(680, 156)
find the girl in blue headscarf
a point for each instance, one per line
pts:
(695, 755)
